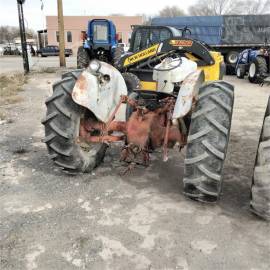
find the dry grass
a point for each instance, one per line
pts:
(3, 115)
(10, 86)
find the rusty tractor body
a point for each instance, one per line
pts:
(153, 123)
(91, 108)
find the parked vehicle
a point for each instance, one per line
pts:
(52, 50)
(255, 63)
(229, 34)
(11, 50)
(124, 46)
(99, 42)
(1, 50)
(161, 81)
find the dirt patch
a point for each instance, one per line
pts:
(10, 86)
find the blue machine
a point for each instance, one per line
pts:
(254, 63)
(99, 42)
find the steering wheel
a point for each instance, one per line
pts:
(149, 62)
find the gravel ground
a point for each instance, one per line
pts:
(50, 220)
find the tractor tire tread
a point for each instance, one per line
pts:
(261, 65)
(62, 129)
(260, 188)
(207, 141)
(132, 83)
(83, 58)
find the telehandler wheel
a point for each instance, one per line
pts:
(62, 124)
(260, 188)
(132, 83)
(208, 141)
(83, 58)
(257, 68)
(240, 72)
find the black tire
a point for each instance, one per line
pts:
(119, 51)
(260, 70)
(132, 83)
(208, 141)
(222, 71)
(232, 57)
(240, 72)
(83, 58)
(260, 188)
(62, 130)
(75, 74)
(230, 69)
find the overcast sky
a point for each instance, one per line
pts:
(35, 19)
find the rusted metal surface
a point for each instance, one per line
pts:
(123, 99)
(144, 131)
(100, 92)
(188, 94)
(88, 126)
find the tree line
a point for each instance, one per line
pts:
(9, 33)
(200, 8)
(219, 7)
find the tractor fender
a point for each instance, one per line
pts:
(187, 94)
(98, 95)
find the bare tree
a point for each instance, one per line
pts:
(213, 7)
(255, 6)
(221, 7)
(9, 33)
(172, 11)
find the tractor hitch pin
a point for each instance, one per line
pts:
(165, 143)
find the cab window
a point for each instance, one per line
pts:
(165, 34)
(100, 32)
(146, 37)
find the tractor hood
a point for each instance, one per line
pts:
(100, 91)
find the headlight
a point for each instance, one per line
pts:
(94, 66)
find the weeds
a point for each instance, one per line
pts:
(10, 86)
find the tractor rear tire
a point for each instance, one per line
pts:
(132, 83)
(119, 51)
(208, 141)
(75, 74)
(260, 188)
(240, 72)
(83, 58)
(62, 123)
(257, 68)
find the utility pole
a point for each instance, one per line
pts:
(61, 34)
(23, 38)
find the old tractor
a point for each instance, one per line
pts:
(99, 42)
(171, 88)
(254, 63)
